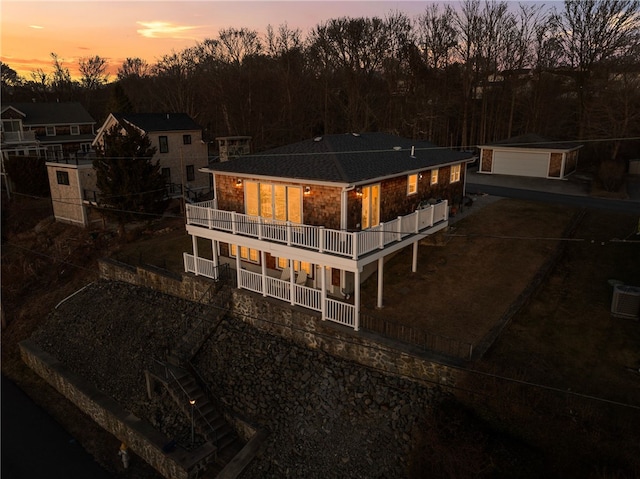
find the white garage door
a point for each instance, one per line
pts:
(521, 163)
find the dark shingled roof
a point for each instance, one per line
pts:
(154, 122)
(532, 140)
(346, 158)
(52, 113)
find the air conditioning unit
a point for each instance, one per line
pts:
(626, 302)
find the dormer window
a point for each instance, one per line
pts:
(50, 130)
(75, 130)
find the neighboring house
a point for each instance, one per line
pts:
(55, 131)
(308, 222)
(231, 147)
(529, 155)
(179, 148)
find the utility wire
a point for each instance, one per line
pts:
(329, 337)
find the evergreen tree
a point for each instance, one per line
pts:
(128, 179)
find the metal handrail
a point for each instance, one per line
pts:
(168, 372)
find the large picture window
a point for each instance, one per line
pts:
(297, 266)
(278, 202)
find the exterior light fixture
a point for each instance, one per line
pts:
(358, 191)
(420, 176)
(307, 190)
(238, 182)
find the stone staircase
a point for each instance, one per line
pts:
(191, 342)
(208, 422)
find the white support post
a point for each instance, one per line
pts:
(356, 312)
(209, 221)
(354, 244)
(321, 239)
(292, 283)
(260, 223)
(380, 281)
(233, 223)
(194, 242)
(431, 213)
(323, 285)
(414, 263)
(399, 228)
(214, 255)
(263, 260)
(238, 266)
(417, 226)
(288, 233)
(381, 239)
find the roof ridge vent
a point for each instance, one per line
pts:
(317, 138)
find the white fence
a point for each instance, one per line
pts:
(304, 296)
(317, 238)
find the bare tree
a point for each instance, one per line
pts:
(592, 31)
(134, 67)
(93, 71)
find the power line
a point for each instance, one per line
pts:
(327, 336)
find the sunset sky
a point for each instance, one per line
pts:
(149, 29)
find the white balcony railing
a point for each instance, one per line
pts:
(341, 243)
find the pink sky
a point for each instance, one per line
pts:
(149, 29)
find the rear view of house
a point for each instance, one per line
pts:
(308, 222)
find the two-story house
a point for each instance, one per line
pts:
(180, 148)
(52, 131)
(55, 130)
(308, 222)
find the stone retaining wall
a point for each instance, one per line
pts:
(296, 324)
(137, 433)
(189, 287)
(307, 329)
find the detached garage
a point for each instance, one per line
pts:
(529, 155)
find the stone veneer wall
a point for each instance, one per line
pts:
(296, 324)
(138, 434)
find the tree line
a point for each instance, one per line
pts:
(458, 75)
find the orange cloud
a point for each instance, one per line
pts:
(159, 29)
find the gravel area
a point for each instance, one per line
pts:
(327, 417)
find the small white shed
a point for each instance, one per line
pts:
(529, 155)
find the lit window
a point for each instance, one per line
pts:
(455, 174)
(164, 144)
(248, 254)
(273, 201)
(434, 177)
(62, 177)
(412, 184)
(297, 266)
